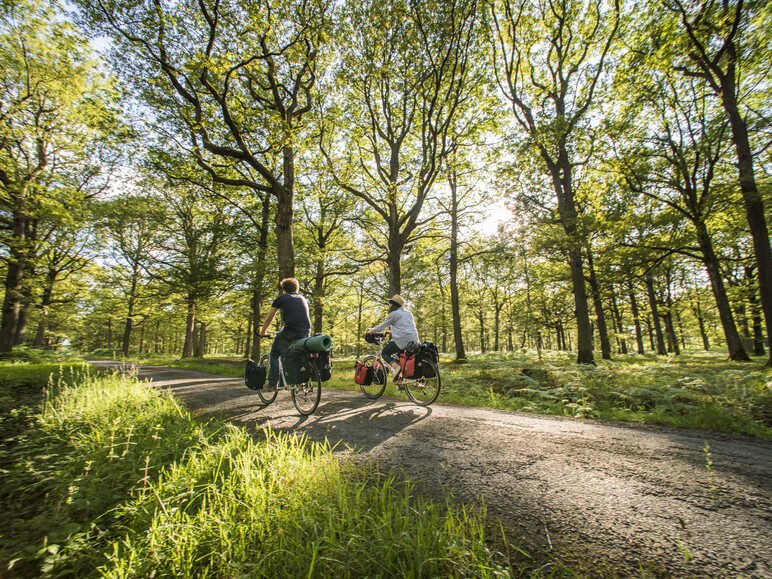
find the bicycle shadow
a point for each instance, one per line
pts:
(341, 423)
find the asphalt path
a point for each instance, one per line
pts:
(629, 497)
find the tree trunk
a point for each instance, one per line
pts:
(393, 259)
(248, 347)
(701, 322)
(318, 301)
(109, 333)
(758, 332)
(618, 322)
(257, 283)
(45, 302)
(661, 350)
(129, 316)
(141, 337)
(455, 305)
(201, 344)
(360, 304)
(21, 325)
(636, 317)
(190, 327)
(14, 278)
(481, 319)
(605, 345)
(754, 206)
(561, 179)
(285, 196)
(733, 342)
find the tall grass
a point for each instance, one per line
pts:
(114, 478)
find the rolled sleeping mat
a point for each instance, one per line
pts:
(320, 343)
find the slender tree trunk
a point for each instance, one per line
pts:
(618, 321)
(734, 344)
(248, 347)
(758, 332)
(481, 319)
(701, 323)
(109, 333)
(605, 345)
(45, 302)
(636, 317)
(318, 301)
(257, 284)
(668, 316)
(360, 304)
(453, 266)
(661, 350)
(142, 337)
(190, 328)
(129, 316)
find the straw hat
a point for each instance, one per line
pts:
(396, 298)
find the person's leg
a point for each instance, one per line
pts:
(281, 344)
(391, 355)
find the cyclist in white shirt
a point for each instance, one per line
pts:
(403, 331)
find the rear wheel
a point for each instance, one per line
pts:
(306, 396)
(266, 396)
(424, 391)
(380, 375)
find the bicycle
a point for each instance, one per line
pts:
(421, 390)
(305, 396)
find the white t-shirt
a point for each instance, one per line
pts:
(402, 324)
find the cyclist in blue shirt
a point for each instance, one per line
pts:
(297, 325)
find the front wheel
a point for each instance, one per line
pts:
(380, 376)
(266, 396)
(423, 391)
(306, 396)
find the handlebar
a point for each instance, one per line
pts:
(375, 338)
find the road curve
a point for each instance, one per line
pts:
(630, 496)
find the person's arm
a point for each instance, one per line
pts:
(382, 326)
(268, 320)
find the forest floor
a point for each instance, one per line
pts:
(630, 500)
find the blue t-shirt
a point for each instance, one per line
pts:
(294, 312)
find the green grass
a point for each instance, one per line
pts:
(694, 390)
(110, 477)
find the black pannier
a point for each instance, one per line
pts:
(254, 375)
(322, 363)
(427, 352)
(297, 368)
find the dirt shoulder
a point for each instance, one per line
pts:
(631, 496)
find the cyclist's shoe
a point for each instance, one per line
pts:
(269, 387)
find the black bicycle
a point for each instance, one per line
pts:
(305, 395)
(423, 390)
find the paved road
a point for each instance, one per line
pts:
(625, 495)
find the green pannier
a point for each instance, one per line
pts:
(297, 369)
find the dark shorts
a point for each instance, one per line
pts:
(391, 352)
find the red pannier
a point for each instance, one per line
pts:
(363, 375)
(407, 365)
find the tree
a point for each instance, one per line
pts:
(130, 225)
(405, 76)
(549, 57)
(725, 46)
(55, 119)
(235, 77)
